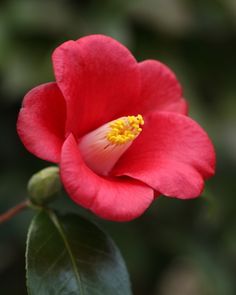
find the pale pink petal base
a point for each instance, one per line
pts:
(118, 199)
(98, 152)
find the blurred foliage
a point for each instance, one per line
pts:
(177, 247)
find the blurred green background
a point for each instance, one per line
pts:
(176, 247)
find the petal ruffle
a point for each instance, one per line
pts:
(99, 79)
(160, 90)
(113, 199)
(41, 122)
(172, 155)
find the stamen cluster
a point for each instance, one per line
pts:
(125, 129)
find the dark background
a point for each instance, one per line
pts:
(176, 247)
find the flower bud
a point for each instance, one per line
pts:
(44, 185)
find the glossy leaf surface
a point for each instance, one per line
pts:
(70, 255)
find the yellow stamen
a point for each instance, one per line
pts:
(125, 129)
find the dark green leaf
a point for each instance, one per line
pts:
(70, 255)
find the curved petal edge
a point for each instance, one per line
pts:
(120, 199)
(41, 122)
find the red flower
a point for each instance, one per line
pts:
(118, 129)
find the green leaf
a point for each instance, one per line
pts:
(70, 255)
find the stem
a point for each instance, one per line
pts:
(14, 211)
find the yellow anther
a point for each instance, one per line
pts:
(125, 129)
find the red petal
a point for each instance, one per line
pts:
(114, 199)
(172, 154)
(99, 79)
(41, 121)
(160, 90)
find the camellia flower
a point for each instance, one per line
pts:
(118, 129)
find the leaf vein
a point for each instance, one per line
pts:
(60, 229)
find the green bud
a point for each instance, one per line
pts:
(44, 185)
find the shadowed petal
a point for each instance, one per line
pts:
(160, 90)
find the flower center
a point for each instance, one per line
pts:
(102, 147)
(125, 129)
